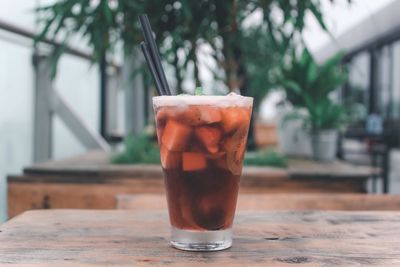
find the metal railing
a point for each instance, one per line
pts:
(48, 102)
(5, 26)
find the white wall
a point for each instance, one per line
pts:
(341, 17)
(77, 81)
(16, 84)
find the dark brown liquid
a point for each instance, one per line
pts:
(202, 149)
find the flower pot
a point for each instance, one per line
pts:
(324, 144)
(293, 139)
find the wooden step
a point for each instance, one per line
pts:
(345, 202)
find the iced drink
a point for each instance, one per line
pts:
(202, 143)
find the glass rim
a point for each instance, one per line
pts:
(213, 100)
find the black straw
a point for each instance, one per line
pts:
(152, 68)
(153, 51)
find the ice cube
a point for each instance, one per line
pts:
(210, 114)
(176, 135)
(209, 136)
(193, 161)
(170, 159)
(233, 118)
(201, 115)
(235, 147)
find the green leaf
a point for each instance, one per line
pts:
(314, 8)
(253, 57)
(293, 86)
(198, 91)
(42, 35)
(107, 12)
(139, 148)
(265, 158)
(55, 57)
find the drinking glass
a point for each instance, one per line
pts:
(202, 142)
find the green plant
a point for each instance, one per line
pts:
(262, 59)
(138, 148)
(181, 28)
(309, 85)
(242, 57)
(267, 157)
(322, 115)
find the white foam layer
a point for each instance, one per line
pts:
(222, 101)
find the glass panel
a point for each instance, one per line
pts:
(359, 83)
(383, 83)
(395, 112)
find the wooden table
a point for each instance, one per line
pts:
(128, 238)
(338, 169)
(91, 182)
(260, 202)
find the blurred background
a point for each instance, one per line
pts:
(72, 79)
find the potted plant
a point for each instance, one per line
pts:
(324, 120)
(187, 31)
(310, 87)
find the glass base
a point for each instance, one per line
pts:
(201, 240)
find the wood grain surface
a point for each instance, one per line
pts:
(31, 192)
(128, 238)
(90, 182)
(298, 168)
(278, 202)
(96, 163)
